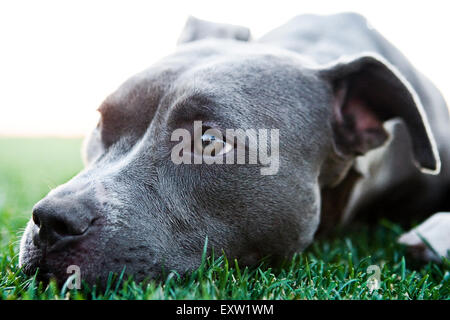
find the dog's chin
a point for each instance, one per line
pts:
(33, 262)
(59, 266)
(47, 270)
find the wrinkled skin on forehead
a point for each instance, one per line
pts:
(150, 213)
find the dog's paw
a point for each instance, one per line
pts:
(430, 240)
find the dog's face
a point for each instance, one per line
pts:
(134, 207)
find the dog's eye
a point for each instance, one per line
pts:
(212, 145)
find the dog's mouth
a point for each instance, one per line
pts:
(36, 264)
(95, 255)
(44, 275)
(52, 262)
(37, 267)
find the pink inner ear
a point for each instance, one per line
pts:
(357, 127)
(365, 119)
(357, 109)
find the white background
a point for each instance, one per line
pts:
(60, 59)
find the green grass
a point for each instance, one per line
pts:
(332, 268)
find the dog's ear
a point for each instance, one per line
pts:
(368, 91)
(196, 29)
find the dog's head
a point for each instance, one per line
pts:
(148, 197)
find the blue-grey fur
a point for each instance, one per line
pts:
(131, 206)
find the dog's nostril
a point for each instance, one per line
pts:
(36, 219)
(61, 228)
(55, 224)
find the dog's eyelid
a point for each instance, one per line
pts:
(212, 127)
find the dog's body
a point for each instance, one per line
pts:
(327, 83)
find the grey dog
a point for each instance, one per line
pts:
(361, 131)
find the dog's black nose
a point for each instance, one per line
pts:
(58, 221)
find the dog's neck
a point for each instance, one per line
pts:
(337, 180)
(335, 200)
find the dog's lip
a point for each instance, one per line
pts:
(44, 274)
(44, 269)
(48, 262)
(63, 243)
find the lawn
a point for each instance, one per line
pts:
(338, 267)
